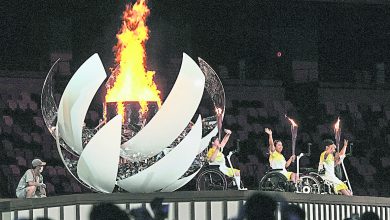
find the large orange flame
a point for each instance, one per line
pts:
(131, 81)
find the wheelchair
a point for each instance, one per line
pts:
(273, 180)
(211, 178)
(309, 182)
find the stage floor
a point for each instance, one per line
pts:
(192, 205)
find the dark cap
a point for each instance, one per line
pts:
(38, 162)
(327, 142)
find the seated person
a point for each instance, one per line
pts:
(31, 184)
(276, 158)
(327, 162)
(216, 157)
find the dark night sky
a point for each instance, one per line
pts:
(221, 32)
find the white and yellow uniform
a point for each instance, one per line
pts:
(328, 165)
(277, 161)
(220, 160)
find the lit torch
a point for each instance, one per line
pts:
(337, 133)
(218, 111)
(294, 131)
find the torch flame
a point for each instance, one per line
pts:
(337, 125)
(292, 121)
(131, 81)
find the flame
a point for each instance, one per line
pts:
(218, 111)
(131, 81)
(337, 125)
(292, 121)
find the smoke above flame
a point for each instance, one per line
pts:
(130, 80)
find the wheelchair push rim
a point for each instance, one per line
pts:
(211, 179)
(309, 184)
(273, 181)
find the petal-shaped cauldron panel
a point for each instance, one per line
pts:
(98, 163)
(76, 99)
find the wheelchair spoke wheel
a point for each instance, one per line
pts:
(309, 184)
(273, 181)
(211, 180)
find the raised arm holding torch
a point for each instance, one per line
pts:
(340, 155)
(294, 132)
(218, 111)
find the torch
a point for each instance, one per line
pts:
(294, 131)
(219, 122)
(337, 133)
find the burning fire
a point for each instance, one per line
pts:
(292, 121)
(337, 125)
(130, 80)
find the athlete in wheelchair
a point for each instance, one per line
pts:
(328, 162)
(216, 175)
(278, 178)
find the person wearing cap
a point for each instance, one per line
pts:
(328, 159)
(276, 158)
(31, 184)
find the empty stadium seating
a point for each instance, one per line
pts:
(24, 136)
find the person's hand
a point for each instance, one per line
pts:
(292, 158)
(227, 131)
(42, 185)
(345, 142)
(268, 131)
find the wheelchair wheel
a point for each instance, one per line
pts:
(274, 181)
(309, 184)
(326, 186)
(211, 179)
